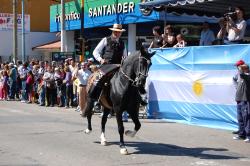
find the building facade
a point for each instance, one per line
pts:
(39, 11)
(98, 15)
(37, 32)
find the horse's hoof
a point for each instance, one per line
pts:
(83, 115)
(87, 131)
(124, 151)
(103, 139)
(104, 143)
(130, 133)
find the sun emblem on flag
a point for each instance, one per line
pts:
(197, 88)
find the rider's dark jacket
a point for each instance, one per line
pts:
(113, 52)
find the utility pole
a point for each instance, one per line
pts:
(23, 32)
(82, 57)
(63, 31)
(14, 58)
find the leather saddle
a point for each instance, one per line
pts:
(103, 76)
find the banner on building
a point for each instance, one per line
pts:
(194, 85)
(101, 13)
(6, 22)
(72, 16)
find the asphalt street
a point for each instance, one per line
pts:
(37, 136)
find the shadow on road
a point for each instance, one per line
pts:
(174, 150)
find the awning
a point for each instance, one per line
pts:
(199, 7)
(55, 45)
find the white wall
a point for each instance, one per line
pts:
(32, 39)
(70, 42)
(131, 38)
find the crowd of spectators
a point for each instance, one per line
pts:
(47, 84)
(232, 31)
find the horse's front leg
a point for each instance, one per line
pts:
(133, 111)
(88, 113)
(135, 117)
(104, 121)
(123, 149)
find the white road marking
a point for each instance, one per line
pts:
(206, 163)
(245, 159)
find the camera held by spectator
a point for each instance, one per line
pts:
(231, 14)
(233, 26)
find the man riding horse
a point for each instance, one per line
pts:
(118, 84)
(109, 53)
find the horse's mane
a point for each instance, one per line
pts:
(132, 57)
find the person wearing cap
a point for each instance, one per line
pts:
(236, 81)
(90, 62)
(236, 77)
(111, 49)
(242, 98)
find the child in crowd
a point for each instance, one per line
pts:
(4, 89)
(180, 41)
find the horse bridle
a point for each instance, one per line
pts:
(139, 73)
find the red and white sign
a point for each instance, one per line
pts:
(6, 22)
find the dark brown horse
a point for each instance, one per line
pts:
(123, 94)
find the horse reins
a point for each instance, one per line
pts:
(139, 73)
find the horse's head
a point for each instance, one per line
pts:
(136, 66)
(142, 67)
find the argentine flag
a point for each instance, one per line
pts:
(194, 85)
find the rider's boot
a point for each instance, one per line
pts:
(95, 90)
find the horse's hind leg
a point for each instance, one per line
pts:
(104, 118)
(88, 112)
(104, 121)
(123, 149)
